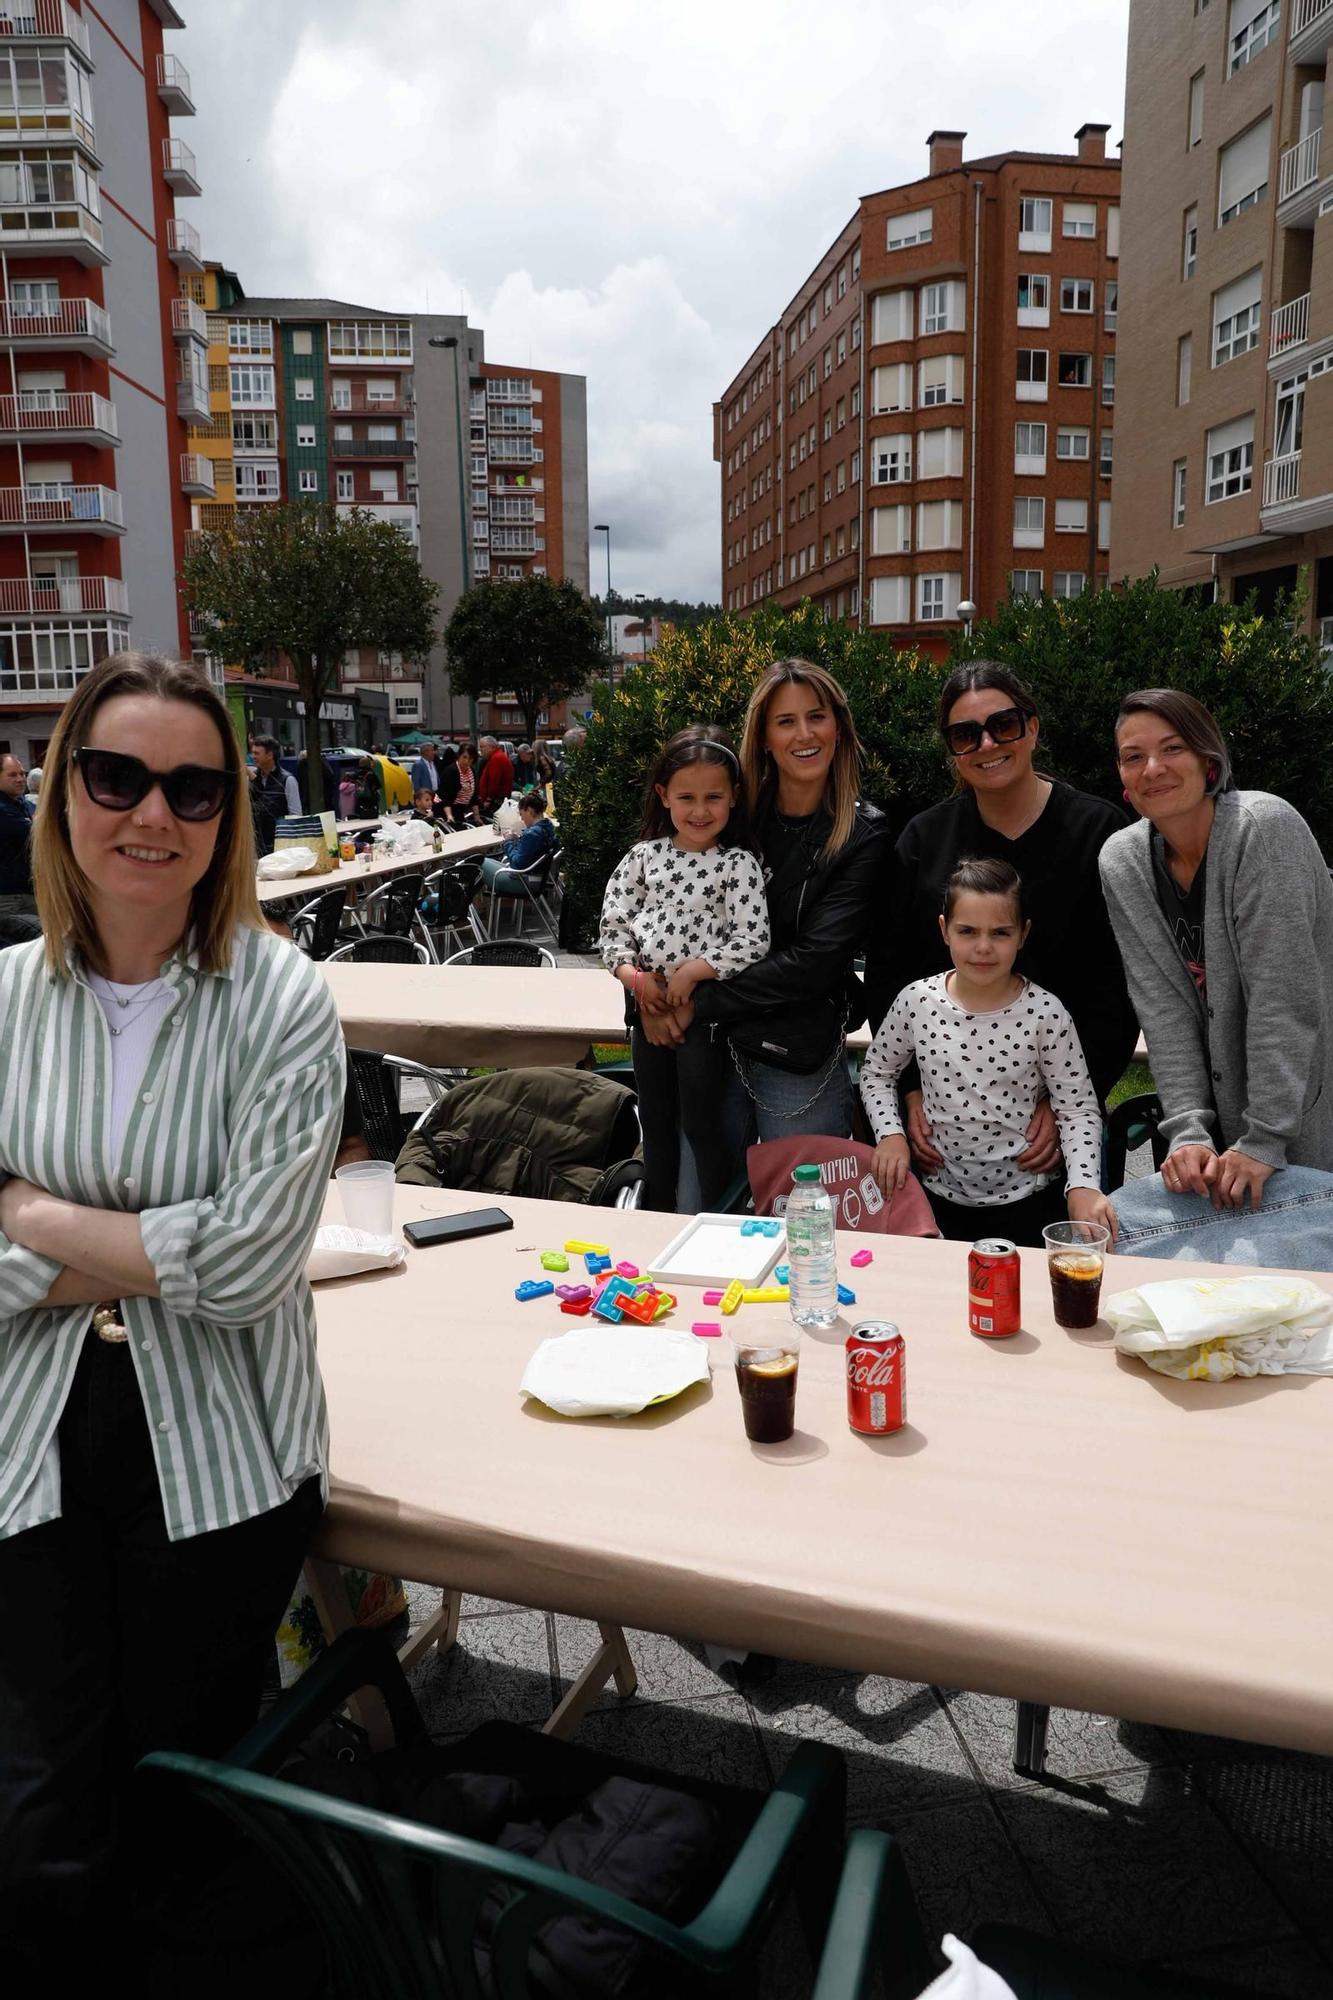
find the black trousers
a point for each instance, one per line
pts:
(1021, 1221)
(680, 1089)
(115, 1641)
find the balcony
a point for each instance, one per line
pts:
(88, 510)
(46, 20)
(1311, 31)
(31, 229)
(39, 596)
(370, 343)
(79, 326)
(189, 321)
(1289, 326)
(44, 124)
(173, 86)
(183, 246)
(1301, 187)
(402, 405)
(1285, 510)
(197, 476)
(178, 167)
(75, 417)
(388, 449)
(192, 398)
(1282, 480)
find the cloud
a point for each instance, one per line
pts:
(629, 192)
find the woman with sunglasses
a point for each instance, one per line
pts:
(1223, 907)
(1004, 809)
(173, 1099)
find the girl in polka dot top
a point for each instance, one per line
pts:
(988, 1044)
(686, 904)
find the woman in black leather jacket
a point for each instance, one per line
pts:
(824, 856)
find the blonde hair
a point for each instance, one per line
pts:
(844, 779)
(223, 897)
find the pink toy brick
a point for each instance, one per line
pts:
(860, 1258)
(628, 1270)
(707, 1329)
(712, 1298)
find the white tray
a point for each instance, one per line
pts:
(711, 1251)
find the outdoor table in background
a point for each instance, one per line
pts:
(1055, 1524)
(475, 840)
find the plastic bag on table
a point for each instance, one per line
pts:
(1212, 1329)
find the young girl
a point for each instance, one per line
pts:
(987, 1042)
(686, 904)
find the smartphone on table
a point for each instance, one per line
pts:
(456, 1228)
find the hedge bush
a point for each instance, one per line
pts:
(1264, 683)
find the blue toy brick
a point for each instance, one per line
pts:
(533, 1288)
(846, 1296)
(782, 1274)
(595, 1265)
(770, 1226)
(750, 1226)
(606, 1308)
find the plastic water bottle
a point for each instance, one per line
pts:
(811, 1251)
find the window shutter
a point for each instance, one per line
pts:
(1244, 163)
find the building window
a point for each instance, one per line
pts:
(1074, 371)
(250, 336)
(1103, 525)
(1111, 305)
(1253, 25)
(1034, 299)
(942, 307)
(1106, 453)
(915, 227)
(828, 361)
(346, 486)
(828, 298)
(939, 524)
(1079, 218)
(1076, 295)
(1230, 459)
(1195, 126)
(1067, 583)
(842, 281)
(256, 482)
(1242, 176)
(305, 437)
(941, 380)
(1025, 583)
(937, 597)
(1034, 223)
(303, 341)
(1184, 360)
(1031, 366)
(1108, 380)
(1029, 522)
(856, 466)
(1029, 448)
(1072, 443)
(252, 386)
(1190, 242)
(1071, 517)
(307, 481)
(939, 454)
(890, 600)
(1236, 317)
(1113, 230)
(842, 348)
(890, 461)
(1179, 483)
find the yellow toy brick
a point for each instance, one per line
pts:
(733, 1295)
(767, 1295)
(588, 1249)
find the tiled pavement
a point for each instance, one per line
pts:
(1208, 1856)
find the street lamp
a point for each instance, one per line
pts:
(967, 611)
(464, 529)
(603, 528)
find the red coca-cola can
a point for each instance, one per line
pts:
(993, 1306)
(876, 1378)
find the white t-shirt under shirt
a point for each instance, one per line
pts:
(665, 904)
(981, 1079)
(133, 1014)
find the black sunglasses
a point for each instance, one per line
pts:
(117, 782)
(1005, 726)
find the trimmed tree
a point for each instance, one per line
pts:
(310, 581)
(534, 637)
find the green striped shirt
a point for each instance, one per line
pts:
(225, 1157)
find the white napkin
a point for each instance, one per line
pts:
(339, 1252)
(967, 1978)
(283, 866)
(1211, 1329)
(613, 1371)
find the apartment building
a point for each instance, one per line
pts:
(102, 364)
(880, 449)
(1227, 331)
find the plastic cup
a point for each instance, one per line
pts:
(766, 1367)
(1075, 1258)
(366, 1188)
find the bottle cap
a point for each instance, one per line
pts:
(805, 1175)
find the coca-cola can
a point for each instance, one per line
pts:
(994, 1310)
(876, 1378)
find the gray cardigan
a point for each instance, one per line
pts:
(1249, 1064)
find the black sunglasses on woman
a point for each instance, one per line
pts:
(119, 783)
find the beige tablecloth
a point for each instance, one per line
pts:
(1055, 1523)
(476, 840)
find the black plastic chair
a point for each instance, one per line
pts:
(376, 1083)
(503, 951)
(18, 928)
(396, 908)
(378, 948)
(454, 916)
(315, 926)
(1132, 1124)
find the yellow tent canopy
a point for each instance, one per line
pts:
(395, 784)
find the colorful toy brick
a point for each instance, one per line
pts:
(712, 1298)
(707, 1329)
(533, 1288)
(578, 1307)
(596, 1261)
(628, 1270)
(554, 1260)
(860, 1258)
(846, 1296)
(732, 1297)
(782, 1273)
(571, 1293)
(642, 1310)
(750, 1226)
(766, 1295)
(577, 1249)
(665, 1304)
(608, 1309)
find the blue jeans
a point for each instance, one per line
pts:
(497, 875)
(791, 1106)
(1292, 1229)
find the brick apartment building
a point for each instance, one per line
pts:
(101, 363)
(930, 420)
(1226, 426)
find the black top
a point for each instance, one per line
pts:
(15, 857)
(1071, 950)
(1183, 910)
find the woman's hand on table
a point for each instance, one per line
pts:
(1191, 1170)
(1238, 1176)
(1043, 1137)
(1091, 1205)
(924, 1150)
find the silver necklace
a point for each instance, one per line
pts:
(138, 994)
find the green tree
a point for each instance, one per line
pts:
(310, 581)
(534, 637)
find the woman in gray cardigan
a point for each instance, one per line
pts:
(1223, 910)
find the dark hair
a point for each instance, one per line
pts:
(1191, 721)
(983, 876)
(269, 743)
(701, 743)
(974, 677)
(533, 799)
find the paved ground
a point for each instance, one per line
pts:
(1211, 1857)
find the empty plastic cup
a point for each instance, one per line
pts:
(366, 1188)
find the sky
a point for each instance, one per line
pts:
(618, 189)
